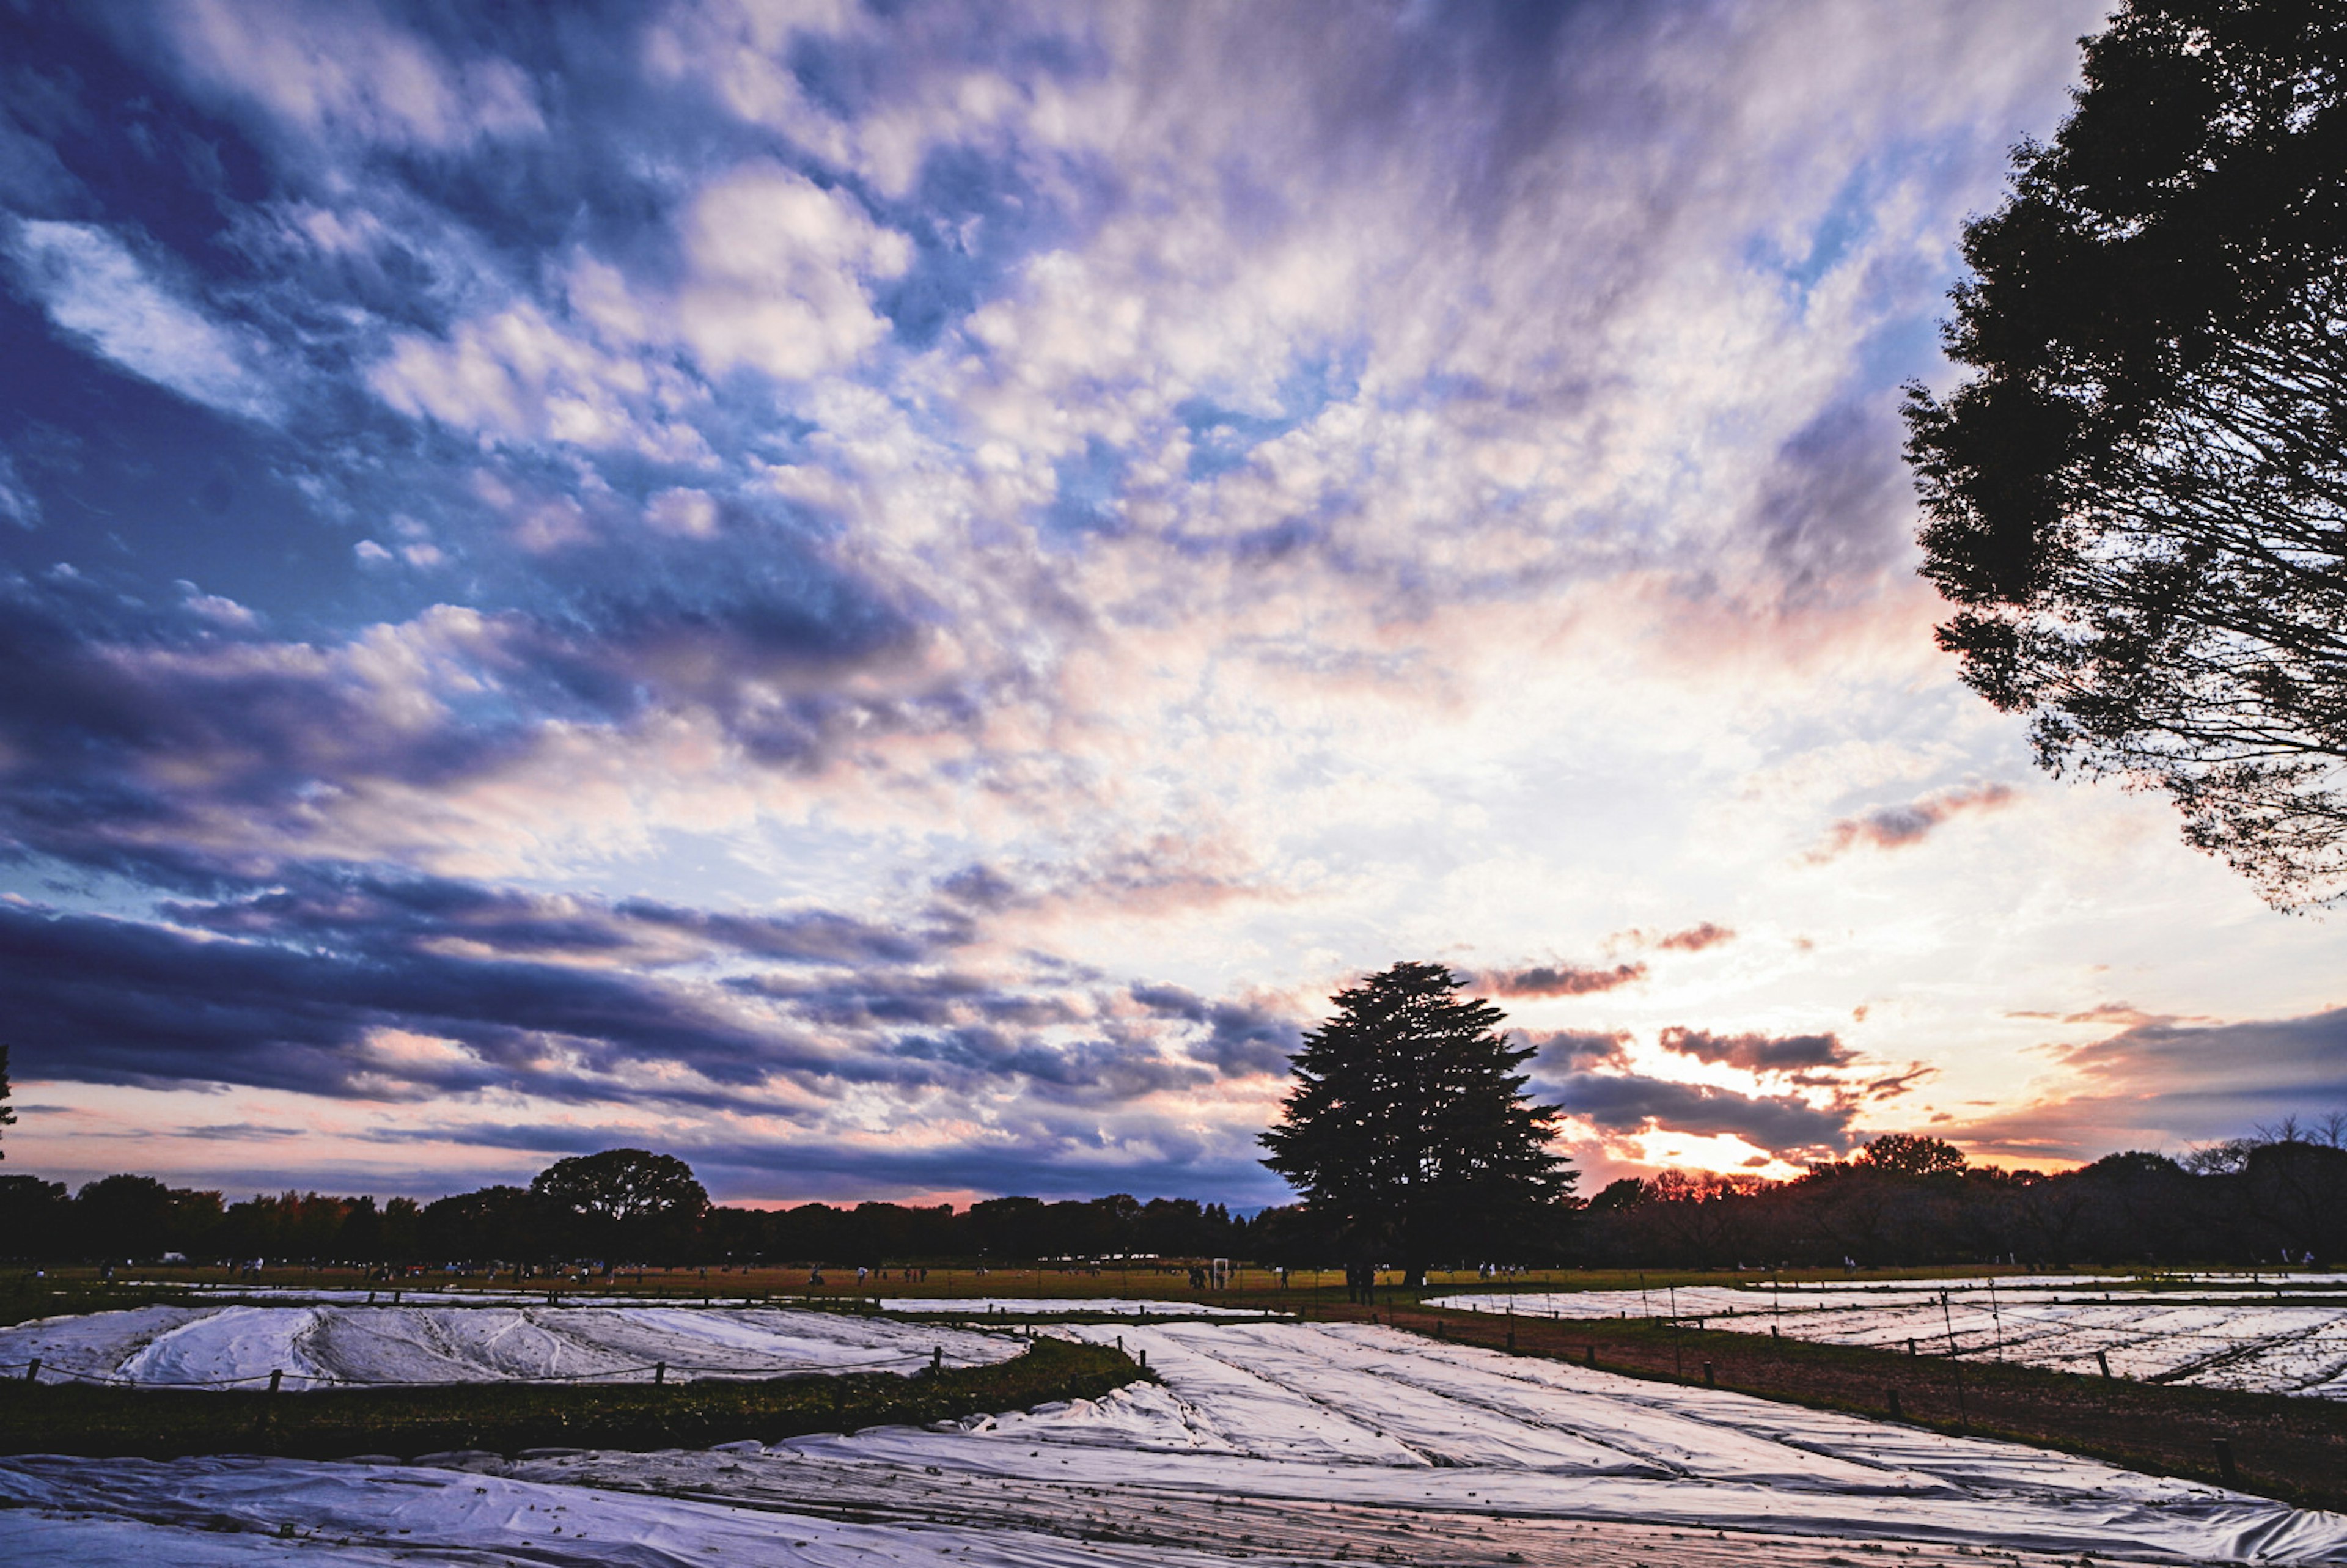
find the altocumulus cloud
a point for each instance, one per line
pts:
(916, 569)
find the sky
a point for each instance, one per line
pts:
(889, 598)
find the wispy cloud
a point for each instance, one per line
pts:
(2162, 1083)
(1560, 981)
(1897, 826)
(344, 70)
(1759, 1053)
(1694, 938)
(19, 504)
(96, 287)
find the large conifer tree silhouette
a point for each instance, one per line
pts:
(1407, 1131)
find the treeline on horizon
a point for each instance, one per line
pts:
(2279, 1196)
(134, 1217)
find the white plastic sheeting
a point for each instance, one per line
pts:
(320, 1345)
(1059, 1305)
(2242, 1339)
(1275, 1428)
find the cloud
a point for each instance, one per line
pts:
(979, 550)
(1891, 1086)
(1568, 1050)
(1835, 503)
(1241, 1038)
(341, 69)
(779, 268)
(135, 739)
(94, 288)
(1576, 980)
(1897, 826)
(2165, 1084)
(1629, 1102)
(353, 986)
(1760, 1053)
(1694, 938)
(1560, 980)
(96, 1000)
(522, 375)
(19, 504)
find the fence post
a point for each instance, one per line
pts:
(32, 1372)
(660, 1373)
(2224, 1447)
(276, 1376)
(938, 1358)
(1708, 1381)
(2103, 1361)
(1891, 1397)
(1592, 1354)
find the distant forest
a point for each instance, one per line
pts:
(137, 1217)
(2280, 1195)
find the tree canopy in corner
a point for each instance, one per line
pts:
(2137, 501)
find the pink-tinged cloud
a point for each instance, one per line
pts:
(2162, 1083)
(1696, 939)
(1897, 826)
(1562, 980)
(1760, 1053)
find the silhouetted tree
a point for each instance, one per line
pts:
(130, 1216)
(35, 1216)
(500, 1223)
(1407, 1132)
(1909, 1155)
(2138, 501)
(624, 1200)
